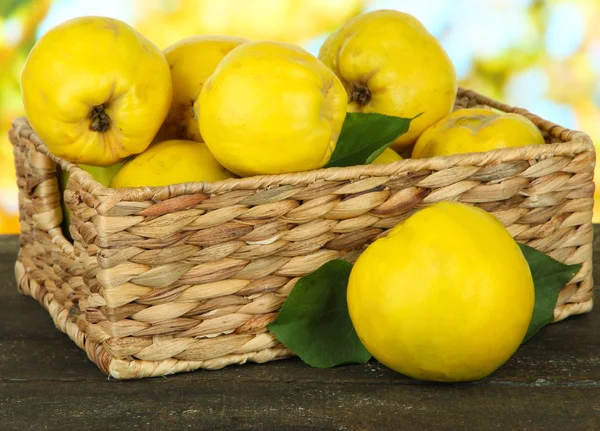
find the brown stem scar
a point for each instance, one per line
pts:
(360, 94)
(100, 119)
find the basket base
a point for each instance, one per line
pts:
(120, 368)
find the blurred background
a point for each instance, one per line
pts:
(540, 55)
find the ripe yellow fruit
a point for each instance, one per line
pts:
(95, 90)
(476, 129)
(446, 296)
(170, 162)
(271, 108)
(388, 156)
(389, 63)
(192, 61)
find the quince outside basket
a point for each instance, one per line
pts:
(170, 279)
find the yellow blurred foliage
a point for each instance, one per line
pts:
(283, 20)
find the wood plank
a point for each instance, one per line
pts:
(295, 405)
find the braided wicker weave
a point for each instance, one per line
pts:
(170, 279)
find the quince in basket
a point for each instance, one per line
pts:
(388, 156)
(390, 64)
(95, 90)
(447, 295)
(271, 108)
(192, 61)
(170, 162)
(475, 129)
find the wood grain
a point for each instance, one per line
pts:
(46, 382)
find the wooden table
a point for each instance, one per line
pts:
(46, 382)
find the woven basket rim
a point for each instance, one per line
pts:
(572, 142)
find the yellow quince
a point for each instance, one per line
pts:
(170, 162)
(447, 295)
(192, 61)
(95, 90)
(389, 63)
(271, 108)
(388, 156)
(475, 130)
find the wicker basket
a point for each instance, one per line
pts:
(170, 279)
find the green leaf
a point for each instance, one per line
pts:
(314, 322)
(366, 136)
(549, 277)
